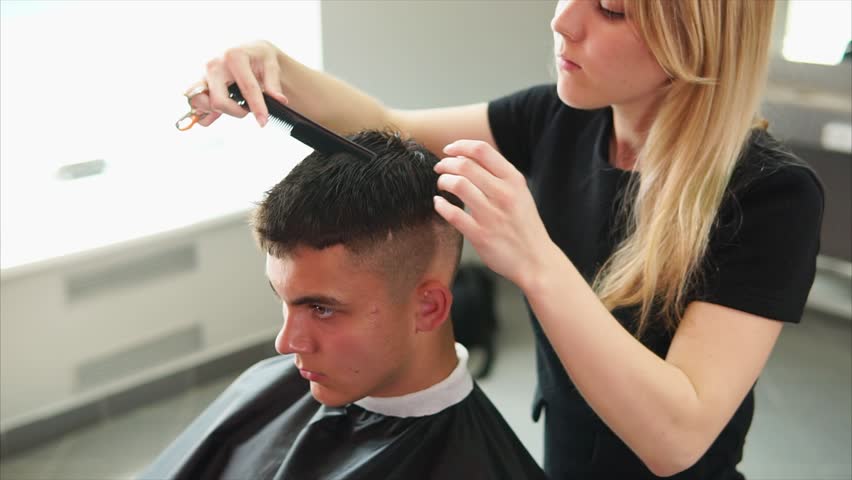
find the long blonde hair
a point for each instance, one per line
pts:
(716, 53)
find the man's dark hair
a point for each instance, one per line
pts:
(381, 208)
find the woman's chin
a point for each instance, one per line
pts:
(575, 98)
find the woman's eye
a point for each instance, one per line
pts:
(321, 311)
(611, 14)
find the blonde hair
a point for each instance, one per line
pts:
(716, 53)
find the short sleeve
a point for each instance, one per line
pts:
(518, 120)
(762, 257)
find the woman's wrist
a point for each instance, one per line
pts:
(543, 270)
(286, 69)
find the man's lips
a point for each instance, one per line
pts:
(310, 375)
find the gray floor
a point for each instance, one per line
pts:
(802, 428)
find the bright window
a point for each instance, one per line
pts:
(84, 81)
(818, 31)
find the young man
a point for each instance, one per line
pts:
(371, 384)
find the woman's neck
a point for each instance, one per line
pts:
(630, 126)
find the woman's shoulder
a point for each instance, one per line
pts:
(534, 122)
(537, 95)
(767, 166)
(539, 102)
(762, 255)
(773, 194)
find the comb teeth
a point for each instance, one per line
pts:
(280, 123)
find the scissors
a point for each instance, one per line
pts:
(193, 116)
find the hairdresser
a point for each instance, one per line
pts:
(665, 237)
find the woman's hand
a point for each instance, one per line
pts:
(255, 68)
(503, 224)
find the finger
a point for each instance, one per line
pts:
(280, 97)
(456, 217)
(484, 154)
(217, 83)
(200, 103)
(209, 118)
(272, 80)
(466, 191)
(473, 171)
(239, 65)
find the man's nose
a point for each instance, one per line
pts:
(294, 337)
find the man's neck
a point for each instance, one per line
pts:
(432, 360)
(435, 363)
(453, 387)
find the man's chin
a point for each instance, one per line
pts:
(331, 398)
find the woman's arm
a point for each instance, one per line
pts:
(668, 411)
(327, 100)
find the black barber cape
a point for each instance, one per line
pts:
(266, 425)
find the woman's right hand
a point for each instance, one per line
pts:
(255, 68)
(334, 104)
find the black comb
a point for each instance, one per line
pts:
(304, 129)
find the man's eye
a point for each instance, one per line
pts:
(321, 311)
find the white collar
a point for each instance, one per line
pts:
(429, 401)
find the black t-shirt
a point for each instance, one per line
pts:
(761, 259)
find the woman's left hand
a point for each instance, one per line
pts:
(503, 224)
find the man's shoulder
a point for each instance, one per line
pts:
(273, 365)
(268, 373)
(479, 436)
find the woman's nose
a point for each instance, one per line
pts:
(568, 18)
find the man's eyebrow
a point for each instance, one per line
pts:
(311, 299)
(317, 299)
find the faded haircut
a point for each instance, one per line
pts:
(380, 210)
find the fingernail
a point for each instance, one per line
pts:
(262, 119)
(280, 97)
(449, 145)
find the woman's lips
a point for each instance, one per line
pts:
(567, 65)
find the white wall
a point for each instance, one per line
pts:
(53, 333)
(416, 53)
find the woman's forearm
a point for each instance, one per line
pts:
(650, 404)
(328, 100)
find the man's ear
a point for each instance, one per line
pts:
(433, 305)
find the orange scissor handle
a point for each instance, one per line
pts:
(187, 121)
(192, 117)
